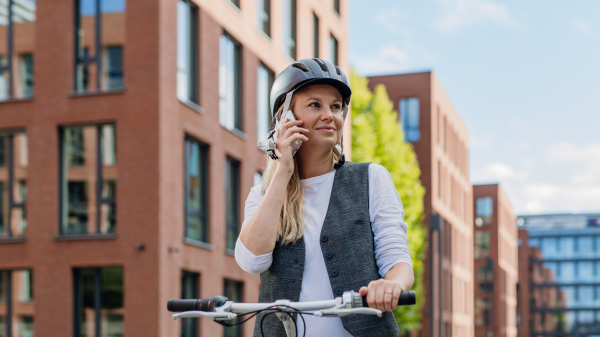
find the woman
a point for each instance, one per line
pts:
(317, 226)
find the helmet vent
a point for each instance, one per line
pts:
(302, 67)
(322, 65)
(338, 71)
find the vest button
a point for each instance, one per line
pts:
(324, 238)
(338, 291)
(329, 255)
(334, 273)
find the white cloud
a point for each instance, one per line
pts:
(457, 14)
(498, 171)
(583, 162)
(388, 59)
(392, 21)
(582, 26)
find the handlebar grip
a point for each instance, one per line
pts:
(190, 305)
(406, 298)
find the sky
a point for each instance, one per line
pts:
(523, 75)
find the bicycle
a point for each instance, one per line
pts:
(221, 310)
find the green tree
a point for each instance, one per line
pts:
(378, 138)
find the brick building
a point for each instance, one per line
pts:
(128, 133)
(440, 140)
(496, 263)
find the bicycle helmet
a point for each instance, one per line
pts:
(301, 74)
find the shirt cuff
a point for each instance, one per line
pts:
(249, 262)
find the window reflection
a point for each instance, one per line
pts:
(99, 63)
(13, 184)
(88, 190)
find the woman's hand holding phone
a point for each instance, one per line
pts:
(289, 133)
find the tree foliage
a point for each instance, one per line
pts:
(378, 138)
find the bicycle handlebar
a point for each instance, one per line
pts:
(208, 305)
(406, 298)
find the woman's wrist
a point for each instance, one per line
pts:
(282, 174)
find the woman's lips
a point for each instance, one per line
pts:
(328, 129)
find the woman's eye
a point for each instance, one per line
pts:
(314, 105)
(336, 107)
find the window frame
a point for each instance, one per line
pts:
(9, 163)
(86, 60)
(270, 81)
(334, 47)
(204, 171)
(238, 122)
(404, 117)
(6, 276)
(193, 57)
(261, 11)
(316, 32)
(194, 278)
(98, 186)
(76, 272)
(10, 53)
(232, 163)
(337, 7)
(239, 287)
(290, 43)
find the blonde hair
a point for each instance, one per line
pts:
(291, 219)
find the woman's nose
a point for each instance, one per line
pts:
(326, 114)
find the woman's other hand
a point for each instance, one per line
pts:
(382, 294)
(289, 132)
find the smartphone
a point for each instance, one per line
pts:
(296, 144)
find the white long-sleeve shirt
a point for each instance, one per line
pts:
(387, 222)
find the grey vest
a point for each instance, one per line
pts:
(348, 250)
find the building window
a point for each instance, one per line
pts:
(99, 49)
(409, 117)
(88, 179)
(16, 303)
(13, 184)
(187, 51)
(263, 20)
(98, 300)
(235, 2)
(482, 312)
(482, 244)
(315, 36)
(289, 28)
(232, 181)
(189, 290)
(485, 278)
(263, 109)
(196, 190)
(230, 84)
(17, 29)
(485, 211)
(336, 6)
(334, 50)
(233, 291)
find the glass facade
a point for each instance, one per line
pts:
(196, 190)
(98, 300)
(482, 244)
(409, 117)
(187, 51)
(17, 38)
(565, 290)
(230, 85)
(315, 36)
(88, 180)
(99, 42)
(13, 184)
(333, 50)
